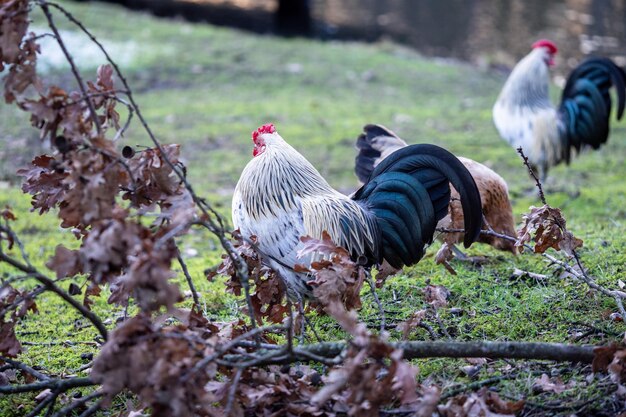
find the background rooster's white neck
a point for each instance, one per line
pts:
(528, 84)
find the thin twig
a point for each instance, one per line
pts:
(618, 296)
(440, 323)
(46, 402)
(183, 265)
(92, 409)
(81, 84)
(225, 348)
(78, 403)
(23, 367)
(232, 391)
(368, 278)
(479, 384)
(532, 174)
(53, 384)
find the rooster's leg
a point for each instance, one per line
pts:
(303, 322)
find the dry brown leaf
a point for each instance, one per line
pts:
(65, 262)
(549, 228)
(444, 255)
(545, 384)
(617, 367)
(602, 357)
(436, 295)
(482, 403)
(9, 345)
(414, 321)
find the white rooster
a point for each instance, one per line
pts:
(281, 197)
(525, 116)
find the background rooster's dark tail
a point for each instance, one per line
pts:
(586, 103)
(409, 192)
(374, 144)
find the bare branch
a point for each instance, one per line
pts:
(232, 392)
(532, 174)
(25, 368)
(183, 265)
(53, 384)
(78, 403)
(50, 285)
(81, 84)
(446, 349)
(368, 278)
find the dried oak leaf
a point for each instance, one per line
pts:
(9, 297)
(9, 345)
(481, 403)
(414, 321)
(549, 228)
(13, 27)
(617, 367)
(94, 180)
(22, 74)
(65, 262)
(498, 405)
(49, 110)
(272, 392)
(444, 255)
(105, 77)
(436, 295)
(7, 214)
(385, 271)
(147, 279)
(45, 182)
(335, 275)
(426, 403)
(267, 291)
(545, 384)
(155, 175)
(106, 250)
(603, 356)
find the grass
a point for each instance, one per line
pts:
(207, 88)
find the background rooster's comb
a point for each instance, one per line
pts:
(548, 44)
(266, 128)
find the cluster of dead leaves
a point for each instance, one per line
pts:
(157, 364)
(267, 292)
(547, 226)
(97, 190)
(336, 277)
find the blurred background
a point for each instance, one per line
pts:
(207, 72)
(485, 32)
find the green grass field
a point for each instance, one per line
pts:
(207, 88)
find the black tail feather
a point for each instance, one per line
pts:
(420, 175)
(586, 103)
(372, 143)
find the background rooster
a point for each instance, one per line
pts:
(525, 116)
(281, 197)
(377, 142)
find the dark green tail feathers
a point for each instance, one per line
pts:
(409, 192)
(586, 103)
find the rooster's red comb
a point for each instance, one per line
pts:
(546, 43)
(266, 128)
